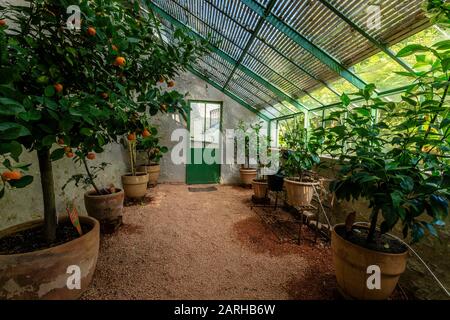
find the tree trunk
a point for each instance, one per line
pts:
(48, 194)
(373, 225)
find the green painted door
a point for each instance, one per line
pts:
(204, 127)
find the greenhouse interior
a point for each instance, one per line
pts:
(224, 150)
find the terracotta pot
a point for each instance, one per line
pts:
(43, 274)
(351, 262)
(135, 186)
(299, 193)
(247, 175)
(153, 173)
(260, 189)
(107, 209)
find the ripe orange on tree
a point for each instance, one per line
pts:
(69, 154)
(58, 87)
(2, 22)
(171, 83)
(61, 141)
(11, 175)
(146, 133)
(104, 95)
(114, 47)
(119, 61)
(131, 136)
(91, 156)
(91, 31)
(161, 79)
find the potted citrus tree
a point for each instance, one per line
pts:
(149, 143)
(259, 184)
(301, 156)
(399, 165)
(76, 89)
(40, 83)
(134, 182)
(242, 140)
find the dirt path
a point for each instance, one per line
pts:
(205, 245)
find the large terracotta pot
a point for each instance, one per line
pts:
(135, 186)
(247, 175)
(153, 173)
(351, 262)
(43, 274)
(260, 188)
(299, 193)
(107, 209)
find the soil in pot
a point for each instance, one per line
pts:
(381, 243)
(34, 239)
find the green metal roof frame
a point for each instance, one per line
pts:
(301, 68)
(252, 16)
(229, 59)
(307, 45)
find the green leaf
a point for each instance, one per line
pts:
(86, 132)
(411, 49)
(49, 91)
(11, 131)
(48, 140)
(10, 107)
(57, 154)
(345, 100)
(22, 183)
(14, 148)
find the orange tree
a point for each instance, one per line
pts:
(82, 89)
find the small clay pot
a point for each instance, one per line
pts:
(135, 187)
(247, 175)
(107, 209)
(153, 171)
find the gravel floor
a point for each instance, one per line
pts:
(206, 245)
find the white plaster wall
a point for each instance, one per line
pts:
(25, 204)
(198, 89)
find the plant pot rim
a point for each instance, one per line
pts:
(150, 165)
(259, 182)
(247, 169)
(33, 223)
(138, 174)
(290, 180)
(91, 195)
(367, 249)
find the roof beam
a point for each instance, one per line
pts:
(245, 51)
(371, 39)
(337, 104)
(229, 94)
(252, 39)
(300, 67)
(307, 45)
(229, 59)
(246, 89)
